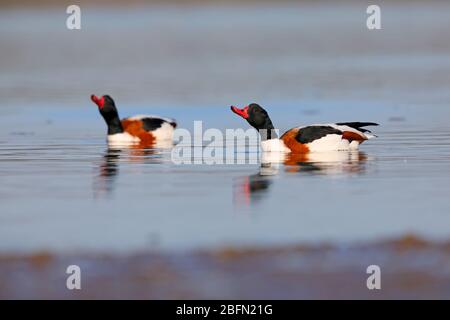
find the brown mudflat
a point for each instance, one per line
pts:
(411, 268)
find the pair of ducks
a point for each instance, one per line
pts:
(150, 130)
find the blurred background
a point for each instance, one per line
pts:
(220, 52)
(141, 227)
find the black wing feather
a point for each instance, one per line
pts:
(311, 133)
(358, 125)
(151, 124)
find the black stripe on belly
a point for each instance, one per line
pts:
(311, 133)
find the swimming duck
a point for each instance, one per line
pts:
(312, 138)
(141, 129)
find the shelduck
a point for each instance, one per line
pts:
(143, 130)
(312, 138)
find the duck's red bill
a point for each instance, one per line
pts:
(241, 112)
(98, 101)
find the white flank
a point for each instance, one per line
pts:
(331, 142)
(334, 142)
(274, 145)
(165, 132)
(119, 139)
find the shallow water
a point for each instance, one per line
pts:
(62, 189)
(73, 193)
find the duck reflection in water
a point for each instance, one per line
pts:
(252, 188)
(327, 163)
(108, 169)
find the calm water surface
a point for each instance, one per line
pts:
(62, 189)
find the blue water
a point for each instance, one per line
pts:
(62, 189)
